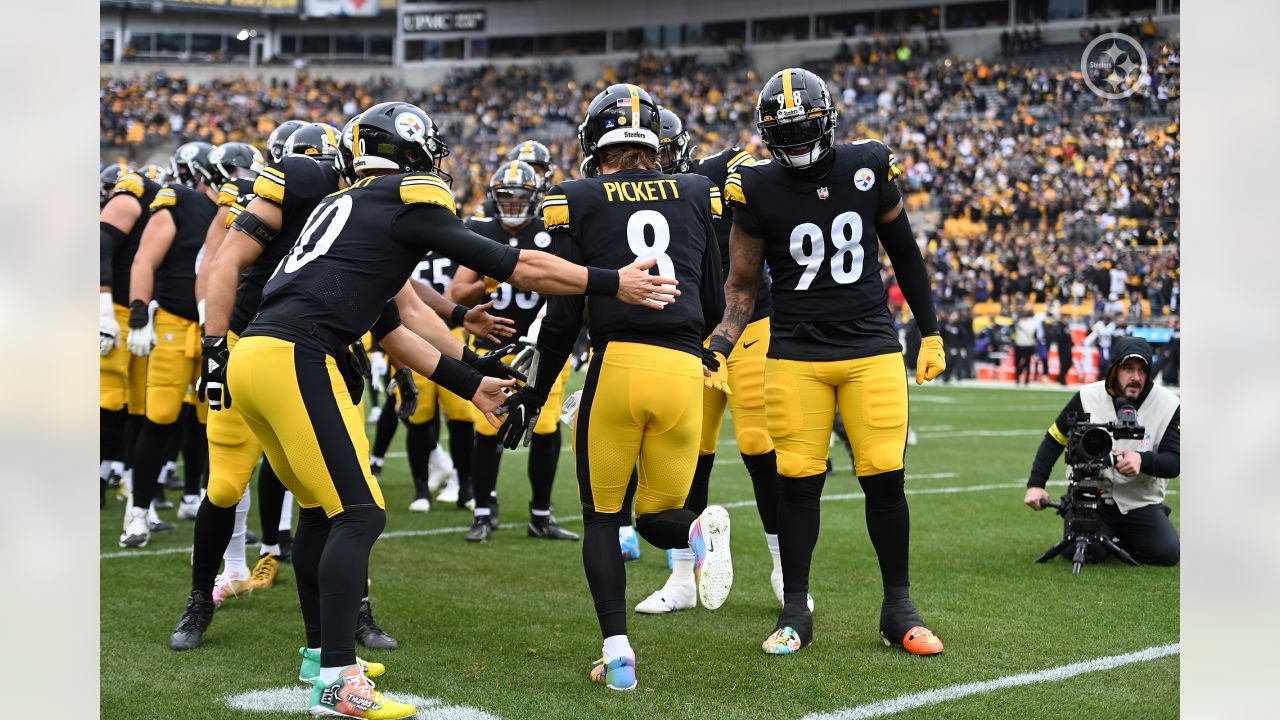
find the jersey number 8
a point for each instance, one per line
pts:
(846, 237)
(636, 240)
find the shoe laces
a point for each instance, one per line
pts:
(367, 620)
(265, 569)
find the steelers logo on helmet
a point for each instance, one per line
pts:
(398, 137)
(410, 126)
(218, 153)
(796, 117)
(864, 179)
(188, 152)
(621, 114)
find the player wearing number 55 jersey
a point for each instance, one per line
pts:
(814, 214)
(642, 400)
(293, 379)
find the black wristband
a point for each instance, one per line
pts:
(602, 282)
(458, 315)
(457, 377)
(469, 356)
(720, 344)
(137, 314)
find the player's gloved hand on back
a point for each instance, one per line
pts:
(212, 385)
(522, 409)
(108, 328)
(404, 382)
(142, 334)
(932, 360)
(490, 364)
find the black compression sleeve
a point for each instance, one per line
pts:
(456, 377)
(1166, 461)
(389, 320)
(908, 266)
(433, 228)
(1046, 456)
(110, 238)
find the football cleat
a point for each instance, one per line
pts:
(352, 695)
(919, 640)
(546, 527)
(713, 564)
(250, 537)
(189, 634)
(310, 670)
(161, 502)
(775, 579)
(617, 674)
(440, 469)
(901, 625)
(158, 526)
(629, 543)
(676, 594)
(480, 530)
(137, 532)
(369, 633)
(493, 513)
(449, 493)
(188, 509)
(375, 467)
(230, 585)
(264, 573)
(375, 414)
(793, 631)
(420, 505)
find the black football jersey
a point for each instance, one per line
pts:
(436, 270)
(356, 250)
(718, 167)
(297, 184)
(193, 212)
(521, 306)
(613, 221)
(143, 190)
(829, 302)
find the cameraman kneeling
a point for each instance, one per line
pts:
(1133, 508)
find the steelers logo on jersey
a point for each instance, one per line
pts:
(864, 179)
(542, 239)
(410, 127)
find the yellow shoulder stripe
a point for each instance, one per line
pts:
(742, 158)
(423, 190)
(233, 212)
(733, 189)
(555, 212)
(895, 171)
(270, 187)
(1057, 434)
(228, 193)
(717, 205)
(130, 183)
(166, 198)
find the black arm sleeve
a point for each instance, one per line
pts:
(711, 289)
(562, 323)
(389, 320)
(433, 228)
(110, 238)
(1054, 442)
(908, 266)
(1166, 461)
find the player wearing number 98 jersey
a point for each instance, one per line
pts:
(814, 214)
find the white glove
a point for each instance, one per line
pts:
(529, 341)
(378, 371)
(143, 339)
(535, 327)
(108, 328)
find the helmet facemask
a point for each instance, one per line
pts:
(800, 143)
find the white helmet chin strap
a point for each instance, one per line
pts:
(798, 161)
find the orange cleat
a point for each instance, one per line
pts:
(919, 640)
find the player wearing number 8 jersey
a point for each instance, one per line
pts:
(642, 400)
(814, 214)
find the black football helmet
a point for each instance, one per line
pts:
(516, 191)
(279, 136)
(537, 156)
(156, 173)
(190, 164)
(346, 157)
(621, 114)
(589, 168)
(236, 159)
(796, 117)
(397, 136)
(673, 143)
(317, 140)
(108, 178)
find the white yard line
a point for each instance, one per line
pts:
(294, 698)
(955, 692)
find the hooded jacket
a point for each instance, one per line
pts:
(1158, 412)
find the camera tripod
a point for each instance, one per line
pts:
(1080, 541)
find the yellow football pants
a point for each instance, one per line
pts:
(233, 450)
(173, 366)
(550, 416)
(430, 395)
(122, 376)
(802, 398)
(640, 403)
(295, 401)
(746, 380)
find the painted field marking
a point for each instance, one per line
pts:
(955, 692)
(294, 699)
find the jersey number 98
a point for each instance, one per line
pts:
(808, 247)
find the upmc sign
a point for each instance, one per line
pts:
(443, 21)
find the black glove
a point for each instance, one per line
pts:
(139, 316)
(522, 409)
(360, 358)
(709, 359)
(490, 364)
(403, 379)
(212, 385)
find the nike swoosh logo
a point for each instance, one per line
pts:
(711, 545)
(747, 345)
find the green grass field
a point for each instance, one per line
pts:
(507, 629)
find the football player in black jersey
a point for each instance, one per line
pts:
(164, 271)
(122, 376)
(744, 375)
(642, 401)
(516, 190)
(536, 155)
(814, 214)
(278, 137)
(291, 376)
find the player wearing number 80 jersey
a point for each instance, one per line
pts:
(814, 214)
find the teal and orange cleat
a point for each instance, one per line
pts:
(310, 670)
(352, 696)
(616, 674)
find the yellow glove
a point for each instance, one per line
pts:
(932, 360)
(715, 371)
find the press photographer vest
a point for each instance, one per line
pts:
(1131, 493)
